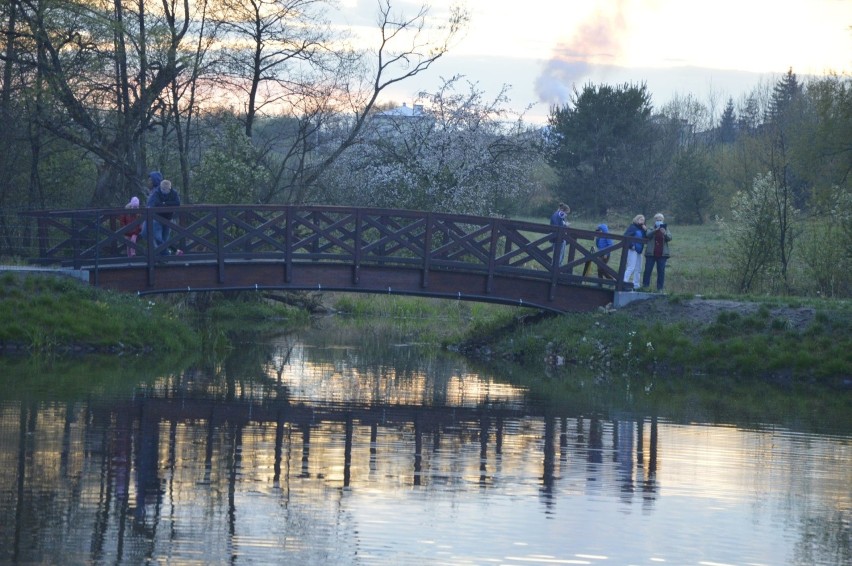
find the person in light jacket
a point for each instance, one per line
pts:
(657, 251)
(634, 251)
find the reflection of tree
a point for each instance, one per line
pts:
(180, 452)
(23, 429)
(594, 450)
(720, 399)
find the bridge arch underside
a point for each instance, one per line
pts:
(377, 279)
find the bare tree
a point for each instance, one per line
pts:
(278, 47)
(102, 95)
(286, 69)
(179, 111)
(107, 96)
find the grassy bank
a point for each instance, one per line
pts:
(782, 340)
(425, 321)
(663, 337)
(48, 314)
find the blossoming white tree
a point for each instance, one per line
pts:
(461, 153)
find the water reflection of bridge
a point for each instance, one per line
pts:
(130, 456)
(426, 426)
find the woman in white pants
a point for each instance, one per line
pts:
(634, 253)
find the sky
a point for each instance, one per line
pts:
(542, 49)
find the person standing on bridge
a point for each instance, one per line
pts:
(657, 251)
(162, 195)
(601, 243)
(126, 219)
(154, 180)
(634, 250)
(560, 218)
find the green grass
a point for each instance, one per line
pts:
(47, 313)
(698, 265)
(249, 307)
(695, 265)
(617, 344)
(434, 321)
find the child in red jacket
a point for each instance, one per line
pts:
(126, 219)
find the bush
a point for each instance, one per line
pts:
(827, 248)
(758, 240)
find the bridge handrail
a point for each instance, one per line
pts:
(86, 238)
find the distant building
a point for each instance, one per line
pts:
(400, 120)
(403, 111)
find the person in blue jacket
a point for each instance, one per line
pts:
(634, 252)
(560, 218)
(154, 180)
(603, 242)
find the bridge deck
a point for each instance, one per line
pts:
(337, 249)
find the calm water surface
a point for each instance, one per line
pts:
(304, 452)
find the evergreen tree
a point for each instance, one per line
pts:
(785, 93)
(727, 132)
(749, 120)
(786, 121)
(693, 180)
(599, 143)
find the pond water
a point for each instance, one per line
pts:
(314, 449)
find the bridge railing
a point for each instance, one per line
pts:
(93, 238)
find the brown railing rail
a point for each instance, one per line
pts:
(370, 250)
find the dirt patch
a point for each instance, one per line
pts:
(707, 311)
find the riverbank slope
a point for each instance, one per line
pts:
(771, 339)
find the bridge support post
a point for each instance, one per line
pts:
(356, 252)
(220, 247)
(427, 250)
(288, 248)
(492, 255)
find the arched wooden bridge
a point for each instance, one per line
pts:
(366, 250)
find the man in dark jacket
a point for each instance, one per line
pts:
(162, 195)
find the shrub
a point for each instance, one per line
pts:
(759, 239)
(827, 247)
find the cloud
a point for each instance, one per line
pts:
(596, 42)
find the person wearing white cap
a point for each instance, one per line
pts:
(133, 233)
